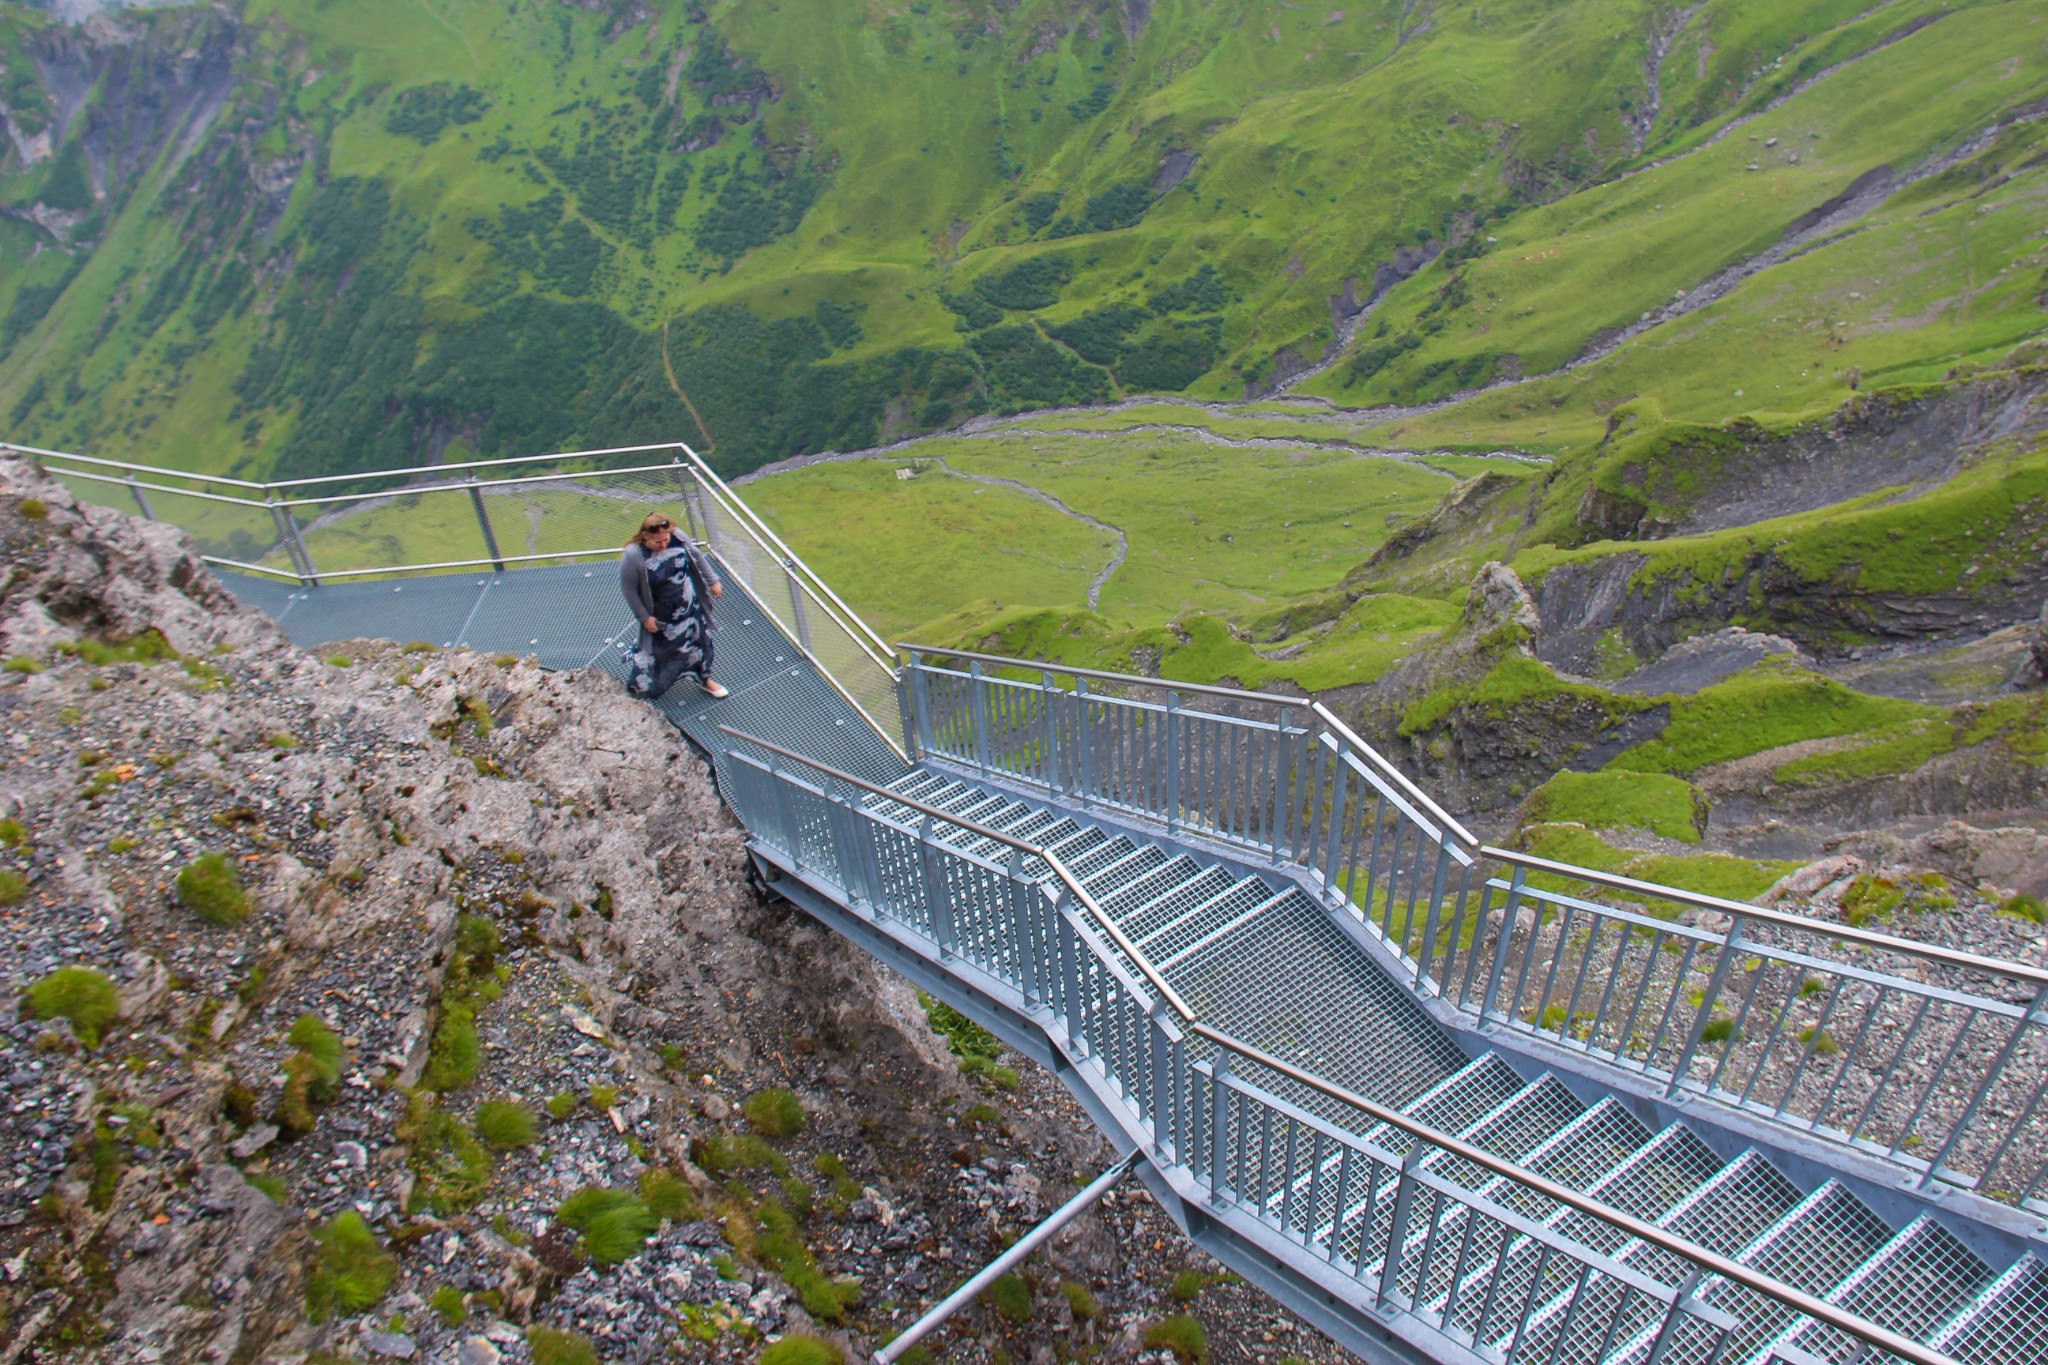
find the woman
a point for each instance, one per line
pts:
(670, 588)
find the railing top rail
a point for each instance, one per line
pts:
(1862, 938)
(464, 485)
(132, 482)
(408, 471)
(1397, 777)
(1200, 689)
(1059, 869)
(1704, 1257)
(124, 464)
(790, 557)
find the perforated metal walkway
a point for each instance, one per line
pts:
(570, 617)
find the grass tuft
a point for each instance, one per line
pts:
(2026, 907)
(551, 1347)
(80, 994)
(453, 1059)
(669, 1195)
(210, 888)
(1011, 1297)
(13, 887)
(1181, 1335)
(615, 1223)
(802, 1350)
(351, 1270)
(774, 1113)
(505, 1124)
(1080, 1302)
(448, 1306)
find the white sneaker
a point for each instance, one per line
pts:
(716, 690)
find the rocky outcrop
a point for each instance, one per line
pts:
(466, 881)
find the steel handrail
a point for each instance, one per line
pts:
(755, 529)
(1862, 938)
(1011, 841)
(125, 464)
(131, 482)
(790, 557)
(463, 485)
(1398, 777)
(1135, 679)
(411, 470)
(1707, 1259)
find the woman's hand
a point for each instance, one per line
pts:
(653, 626)
(717, 590)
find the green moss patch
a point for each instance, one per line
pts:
(79, 994)
(615, 1223)
(1662, 805)
(210, 888)
(1709, 874)
(1773, 704)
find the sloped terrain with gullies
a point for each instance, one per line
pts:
(353, 238)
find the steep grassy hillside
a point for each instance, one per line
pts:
(308, 238)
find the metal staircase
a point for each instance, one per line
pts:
(1450, 1101)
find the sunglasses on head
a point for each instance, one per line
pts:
(651, 527)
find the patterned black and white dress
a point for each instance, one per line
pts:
(679, 592)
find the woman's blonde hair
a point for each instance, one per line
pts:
(652, 522)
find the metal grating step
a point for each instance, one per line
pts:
(1142, 890)
(1743, 1200)
(1578, 1155)
(1082, 841)
(1520, 1124)
(2008, 1324)
(1914, 1284)
(1460, 1101)
(1104, 883)
(1098, 856)
(1165, 936)
(1297, 984)
(1168, 903)
(1657, 1177)
(1813, 1248)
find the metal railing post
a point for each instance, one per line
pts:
(1510, 916)
(1429, 927)
(1668, 1329)
(1219, 1130)
(911, 744)
(141, 499)
(978, 710)
(935, 898)
(483, 519)
(1162, 1087)
(1172, 762)
(1711, 997)
(920, 704)
(1397, 1230)
(688, 482)
(1086, 731)
(288, 534)
(1048, 699)
(798, 617)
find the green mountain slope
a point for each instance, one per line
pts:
(301, 237)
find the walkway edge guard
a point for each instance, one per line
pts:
(1757, 1009)
(842, 822)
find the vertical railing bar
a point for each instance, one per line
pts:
(1770, 1045)
(1903, 1051)
(1628, 936)
(1571, 1008)
(1511, 914)
(1849, 1058)
(1528, 960)
(1820, 1029)
(1340, 793)
(1709, 998)
(1514, 1350)
(1643, 979)
(1928, 1087)
(1542, 1005)
(1502, 1259)
(1472, 953)
(1997, 1072)
(1429, 924)
(1671, 1005)
(1749, 997)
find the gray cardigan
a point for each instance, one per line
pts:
(633, 576)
